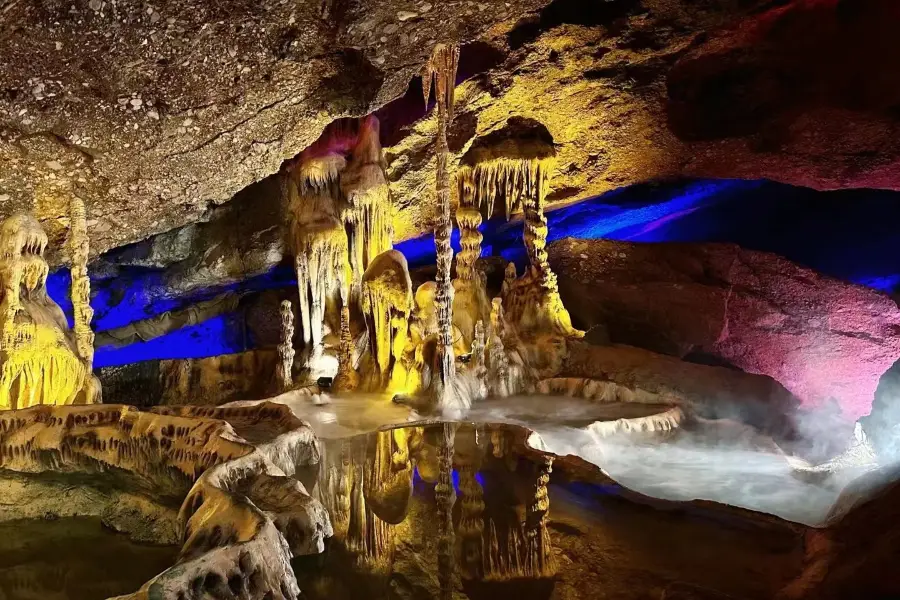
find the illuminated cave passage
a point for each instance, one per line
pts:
(527, 299)
(846, 234)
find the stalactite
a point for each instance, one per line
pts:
(321, 264)
(81, 283)
(445, 498)
(367, 209)
(517, 172)
(341, 219)
(286, 346)
(441, 73)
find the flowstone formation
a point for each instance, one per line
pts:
(243, 514)
(41, 360)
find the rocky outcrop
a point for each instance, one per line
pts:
(821, 338)
(243, 513)
(637, 375)
(154, 114)
(212, 381)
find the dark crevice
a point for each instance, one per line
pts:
(590, 13)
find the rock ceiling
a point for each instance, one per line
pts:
(157, 112)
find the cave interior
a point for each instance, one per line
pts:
(330, 299)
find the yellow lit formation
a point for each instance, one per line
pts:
(39, 368)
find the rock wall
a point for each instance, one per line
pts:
(199, 381)
(821, 338)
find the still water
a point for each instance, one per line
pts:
(469, 511)
(74, 559)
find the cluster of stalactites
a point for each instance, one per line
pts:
(81, 283)
(515, 181)
(22, 264)
(367, 208)
(320, 259)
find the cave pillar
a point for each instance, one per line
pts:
(441, 72)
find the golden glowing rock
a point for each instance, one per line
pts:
(39, 360)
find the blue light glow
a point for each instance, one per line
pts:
(851, 235)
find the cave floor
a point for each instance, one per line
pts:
(721, 461)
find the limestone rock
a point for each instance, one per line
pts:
(820, 337)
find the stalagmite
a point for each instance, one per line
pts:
(346, 379)
(468, 218)
(441, 72)
(478, 364)
(286, 347)
(387, 302)
(39, 361)
(516, 172)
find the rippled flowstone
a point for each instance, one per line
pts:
(243, 512)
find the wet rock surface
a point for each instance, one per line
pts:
(821, 338)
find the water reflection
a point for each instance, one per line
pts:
(433, 512)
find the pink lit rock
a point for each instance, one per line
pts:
(819, 337)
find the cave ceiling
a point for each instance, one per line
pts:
(155, 113)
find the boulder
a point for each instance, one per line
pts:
(821, 338)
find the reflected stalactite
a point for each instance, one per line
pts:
(470, 529)
(389, 475)
(369, 539)
(517, 543)
(440, 72)
(537, 539)
(286, 346)
(39, 357)
(445, 498)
